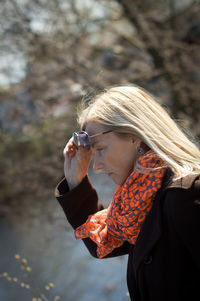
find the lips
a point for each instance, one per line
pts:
(109, 174)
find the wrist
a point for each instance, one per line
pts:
(73, 183)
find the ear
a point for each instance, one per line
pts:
(137, 141)
(144, 146)
(140, 144)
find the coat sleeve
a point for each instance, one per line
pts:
(184, 210)
(78, 204)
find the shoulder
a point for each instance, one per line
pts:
(181, 209)
(185, 188)
(182, 200)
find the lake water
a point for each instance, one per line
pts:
(55, 256)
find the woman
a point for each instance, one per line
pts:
(154, 216)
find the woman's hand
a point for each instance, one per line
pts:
(77, 162)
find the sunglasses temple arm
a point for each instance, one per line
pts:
(101, 134)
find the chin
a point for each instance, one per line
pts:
(118, 181)
(113, 178)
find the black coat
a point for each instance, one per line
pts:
(164, 264)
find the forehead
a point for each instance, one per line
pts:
(93, 128)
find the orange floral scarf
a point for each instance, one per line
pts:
(123, 219)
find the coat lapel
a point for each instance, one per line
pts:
(152, 227)
(150, 231)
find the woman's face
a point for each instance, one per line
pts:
(114, 155)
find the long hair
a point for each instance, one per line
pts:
(131, 110)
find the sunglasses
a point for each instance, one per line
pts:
(83, 139)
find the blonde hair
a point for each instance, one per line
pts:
(131, 110)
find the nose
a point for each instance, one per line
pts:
(97, 164)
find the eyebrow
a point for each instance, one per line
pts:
(99, 134)
(93, 143)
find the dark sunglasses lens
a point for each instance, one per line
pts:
(84, 139)
(75, 136)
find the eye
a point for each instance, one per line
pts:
(99, 148)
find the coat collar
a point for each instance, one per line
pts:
(152, 227)
(150, 231)
(185, 182)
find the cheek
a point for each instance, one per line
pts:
(120, 157)
(114, 159)
(125, 162)
(111, 156)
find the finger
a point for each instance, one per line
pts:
(69, 163)
(85, 150)
(84, 155)
(69, 148)
(70, 143)
(69, 152)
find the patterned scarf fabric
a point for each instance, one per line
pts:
(123, 219)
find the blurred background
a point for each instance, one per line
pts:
(52, 54)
